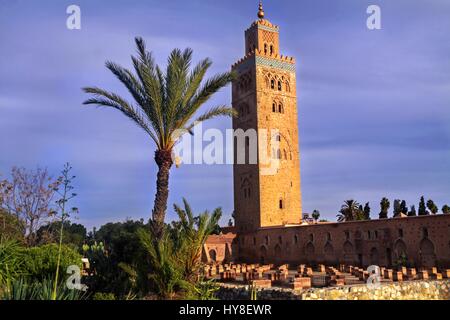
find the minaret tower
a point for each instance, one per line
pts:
(265, 97)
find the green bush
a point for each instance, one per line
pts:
(40, 262)
(22, 289)
(11, 261)
(103, 296)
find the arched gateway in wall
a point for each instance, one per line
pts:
(263, 254)
(349, 252)
(427, 254)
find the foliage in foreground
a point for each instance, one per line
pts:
(11, 261)
(22, 289)
(41, 262)
(175, 258)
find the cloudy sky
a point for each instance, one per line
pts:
(374, 105)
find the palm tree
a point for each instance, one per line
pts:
(192, 237)
(176, 257)
(164, 107)
(349, 211)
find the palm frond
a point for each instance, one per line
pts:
(107, 99)
(212, 113)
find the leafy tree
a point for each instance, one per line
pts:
(432, 206)
(121, 241)
(412, 211)
(74, 233)
(316, 215)
(422, 208)
(445, 209)
(385, 205)
(366, 211)
(11, 228)
(397, 207)
(349, 211)
(164, 106)
(403, 207)
(28, 196)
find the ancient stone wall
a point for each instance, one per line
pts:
(422, 241)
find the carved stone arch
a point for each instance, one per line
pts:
(399, 249)
(246, 187)
(287, 86)
(277, 251)
(309, 249)
(310, 252)
(349, 252)
(213, 255)
(328, 251)
(263, 254)
(283, 144)
(267, 81)
(374, 256)
(427, 253)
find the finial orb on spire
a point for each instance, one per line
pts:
(260, 11)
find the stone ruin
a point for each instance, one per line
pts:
(304, 277)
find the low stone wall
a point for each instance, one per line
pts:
(408, 290)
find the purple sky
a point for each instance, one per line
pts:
(374, 106)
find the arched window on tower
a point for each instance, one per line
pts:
(272, 84)
(265, 48)
(279, 85)
(271, 49)
(285, 154)
(280, 108)
(280, 204)
(274, 107)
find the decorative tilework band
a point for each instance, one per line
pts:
(267, 62)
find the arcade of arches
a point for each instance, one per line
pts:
(422, 241)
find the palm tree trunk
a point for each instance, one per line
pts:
(164, 161)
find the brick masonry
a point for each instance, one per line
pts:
(268, 207)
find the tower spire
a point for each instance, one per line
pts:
(260, 10)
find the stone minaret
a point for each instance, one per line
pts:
(265, 97)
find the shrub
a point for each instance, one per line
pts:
(11, 261)
(22, 289)
(103, 296)
(40, 262)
